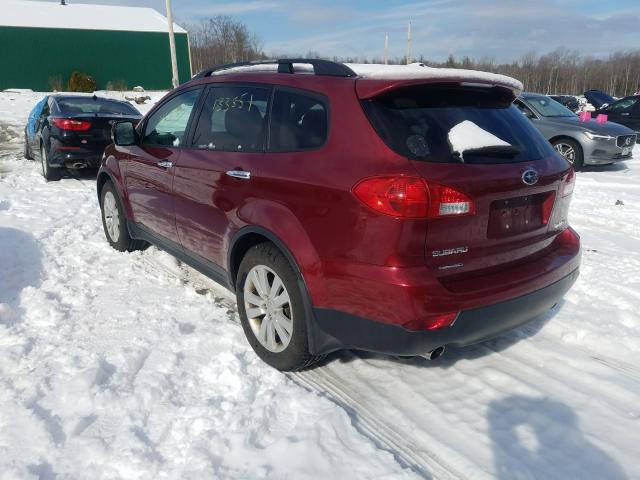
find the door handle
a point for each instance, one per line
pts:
(165, 164)
(626, 114)
(241, 174)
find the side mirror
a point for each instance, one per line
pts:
(124, 133)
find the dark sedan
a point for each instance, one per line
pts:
(72, 131)
(625, 111)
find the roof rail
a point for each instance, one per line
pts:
(285, 65)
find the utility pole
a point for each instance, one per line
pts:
(386, 48)
(172, 47)
(409, 43)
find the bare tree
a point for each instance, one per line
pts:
(222, 39)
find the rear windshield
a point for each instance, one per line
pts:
(433, 123)
(97, 105)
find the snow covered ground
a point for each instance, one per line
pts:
(134, 366)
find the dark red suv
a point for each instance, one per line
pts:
(390, 209)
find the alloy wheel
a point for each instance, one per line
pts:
(111, 216)
(566, 151)
(268, 308)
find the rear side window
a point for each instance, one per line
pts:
(233, 119)
(416, 122)
(95, 105)
(299, 121)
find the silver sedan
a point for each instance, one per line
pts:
(581, 143)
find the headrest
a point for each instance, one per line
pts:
(313, 128)
(244, 123)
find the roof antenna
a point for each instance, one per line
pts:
(62, 2)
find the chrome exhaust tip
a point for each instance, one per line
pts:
(435, 353)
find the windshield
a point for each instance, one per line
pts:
(93, 105)
(547, 107)
(420, 122)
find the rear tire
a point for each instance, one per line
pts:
(114, 221)
(272, 309)
(49, 174)
(570, 150)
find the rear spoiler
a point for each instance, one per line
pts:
(374, 80)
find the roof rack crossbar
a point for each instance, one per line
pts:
(285, 65)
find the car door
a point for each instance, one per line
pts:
(220, 170)
(625, 112)
(150, 167)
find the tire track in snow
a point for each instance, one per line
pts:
(409, 451)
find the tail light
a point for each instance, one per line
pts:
(67, 124)
(568, 183)
(433, 322)
(412, 197)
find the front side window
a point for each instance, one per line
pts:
(233, 119)
(167, 125)
(298, 121)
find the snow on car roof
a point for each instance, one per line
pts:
(414, 71)
(26, 13)
(421, 71)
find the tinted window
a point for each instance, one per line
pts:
(168, 124)
(95, 105)
(298, 121)
(233, 119)
(416, 121)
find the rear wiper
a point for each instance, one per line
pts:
(504, 151)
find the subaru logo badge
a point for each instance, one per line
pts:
(530, 177)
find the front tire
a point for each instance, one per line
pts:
(570, 150)
(272, 309)
(114, 221)
(49, 174)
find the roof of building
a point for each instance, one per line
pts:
(26, 13)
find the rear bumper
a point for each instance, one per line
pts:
(70, 156)
(335, 330)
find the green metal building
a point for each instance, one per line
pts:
(42, 43)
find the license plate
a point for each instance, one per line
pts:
(626, 151)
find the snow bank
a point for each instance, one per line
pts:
(468, 136)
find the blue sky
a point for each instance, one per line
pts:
(500, 29)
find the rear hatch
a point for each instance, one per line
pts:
(504, 191)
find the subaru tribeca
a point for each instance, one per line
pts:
(391, 209)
